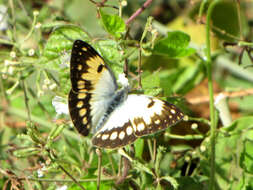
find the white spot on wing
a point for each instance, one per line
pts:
(121, 135)
(105, 136)
(140, 127)
(129, 130)
(114, 135)
(157, 121)
(172, 111)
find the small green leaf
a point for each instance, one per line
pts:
(142, 167)
(60, 42)
(34, 134)
(232, 138)
(161, 150)
(189, 183)
(172, 181)
(25, 152)
(247, 157)
(175, 45)
(151, 84)
(55, 131)
(113, 24)
(139, 146)
(110, 52)
(188, 78)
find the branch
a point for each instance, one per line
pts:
(139, 11)
(102, 4)
(205, 99)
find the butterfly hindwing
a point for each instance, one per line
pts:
(92, 84)
(137, 116)
(116, 137)
(153, 114)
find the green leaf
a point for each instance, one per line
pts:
(113, 24)
(172, 181)
(231, 138)
(139, 147)
(188, 78)
(175, 45)
(246, 159)
(104, 185)
(109, 50)
(25, 152)
(226, 21)
(151, 84)
(60, 42)
(189, 183)
(141, 167)
(55, 132)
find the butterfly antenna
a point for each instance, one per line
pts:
(99, 153)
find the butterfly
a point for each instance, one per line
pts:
(115, 117)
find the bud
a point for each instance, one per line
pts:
(35, 13)
(13, 54)
(31, 52)
(38, 25)
(123, 3)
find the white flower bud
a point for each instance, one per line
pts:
(31, 52)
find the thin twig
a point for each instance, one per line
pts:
(126, 67)
(68, 174)
(139, 69)
(126, 167)
(150, 148)
(32, 28)
(53, 157)
(205, 99)
(13, 17)
(111, 161)
(102, 4)
(154, 150)
(184, 137)
(239, 18)
(98, 151)
(26, 100)
(139, 11)
(223, 32)
(208, 64)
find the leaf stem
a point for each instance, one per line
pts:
(211, 97)
(13, 18)
(184, 137)
(26, 100)
(139, 11)
(32, 28)
(98, 152)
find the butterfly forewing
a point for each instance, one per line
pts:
(137, 116)
(92, 83)
(80, 109)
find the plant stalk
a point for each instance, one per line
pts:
(211, 96)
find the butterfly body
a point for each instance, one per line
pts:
(115, 117)
(116, 99)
